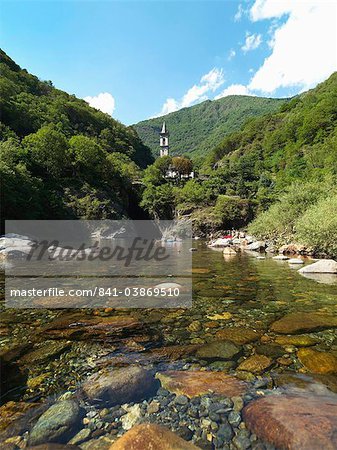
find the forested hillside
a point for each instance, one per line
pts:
(198, 129)
(281, 168)
(60, 158)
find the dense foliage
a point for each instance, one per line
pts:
(60, 158)
(198, 129)
(285, 161)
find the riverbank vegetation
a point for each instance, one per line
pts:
(280, 169)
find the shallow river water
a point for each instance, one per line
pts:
(257, 320)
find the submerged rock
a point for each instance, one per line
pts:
(57, 424)
(226, 350)
(271, 350)
(54, 446)
(151, 436)
(238, 335)
(197, 383)
(298, 322)
(15, 417)
(301, 340)
(306, 422)
(119, 386)
(80, 327)
(322, 266)
(255, 364)
(317, 362)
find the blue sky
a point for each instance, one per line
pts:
(139, 59)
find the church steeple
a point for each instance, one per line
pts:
(164, 141)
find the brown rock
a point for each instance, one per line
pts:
(255, 364)
(317, 362)
(302, 322)
(174, 352)
(199, 382)
(292, 249)
(77, 326)
(17, 417)
(300, 340)
(151, 437)
(54, 446)
(120, 386)
(238, 335)
(306, 422)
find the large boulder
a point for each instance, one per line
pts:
(219, 350)
(151, 436)
(292, 249)
(301, 322)
(57, 424)
(306, 422)
(258, 246)
(193, 384)
(322, 266)
(114, 387)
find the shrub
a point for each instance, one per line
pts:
(317, 228)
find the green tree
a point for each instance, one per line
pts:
(47, 148)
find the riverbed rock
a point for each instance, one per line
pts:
(255, 364)
(317, 362)
(271, 350)
(301, 340)
(77, 326)
(257, 246)
(128, 384)
(292, 249)
(238, 335)
(54, 446)
(57, 424)
(220, 316)
(45, 351)
(223, 350)
(172, 352)
(306, 422)
(16, 417)
(322, 266)
(199, 382)
(151, 436)
(298, 322)
(132, 417)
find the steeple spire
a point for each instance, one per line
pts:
(164, 140)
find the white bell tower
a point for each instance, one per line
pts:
(164, 141)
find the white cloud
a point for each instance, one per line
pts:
(303, 47)
(209, 82)
(239, 13)
(104, 101)
(252, 42)
(234, 89)
(231, 54)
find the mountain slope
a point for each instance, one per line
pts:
(61, 158)
(198, 129)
